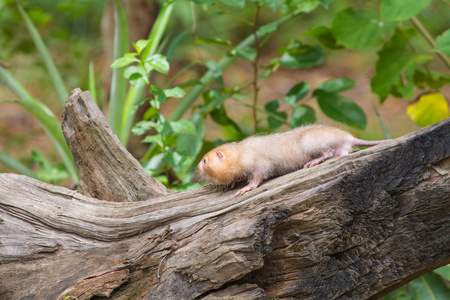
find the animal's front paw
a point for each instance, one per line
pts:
(246, 189)
(310, 164)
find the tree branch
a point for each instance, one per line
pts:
(107, 170)
(353, 227)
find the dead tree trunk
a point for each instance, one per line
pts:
(355, 227)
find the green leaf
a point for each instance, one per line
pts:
(134, 70)
(272, 106)
(174, 159)
(213, 99)
(220, 116)
(142, 127)
(164, 128)
(159, 93)
(264, 75)
(247, 53)
(297, 92)
(153, 139)
(443, 43)
(404, 88)
(137, 80)
(274, 4)
(140, 45)
(182, 126)
(48, 172)
(326, 3)
(337, 85)
(268, 28)
(150, 113)
(429, 286)
(324, 35)
(159, 63)
(341, 109)
(205, 3)
(394, 59)
(302, 56)
(236, 3)
(275, 119)
(215, 70)
(399, 10)
(123, 62)
(192, 144)
(360, 29)
(215, 41)
(175, 92)
(435, 80)
(398, 294)
(443, 272)
(302, 114)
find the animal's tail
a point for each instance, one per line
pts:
(364, 143)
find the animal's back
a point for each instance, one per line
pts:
(285, 152)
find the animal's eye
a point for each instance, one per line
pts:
(205, 160)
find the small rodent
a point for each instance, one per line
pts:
(260, 157)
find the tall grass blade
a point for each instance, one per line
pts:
(174, 43)
(135, 94)
(48, 61)
(118, 82)
(92, 88)
(386, 132)
(16, 165)
(46, 118)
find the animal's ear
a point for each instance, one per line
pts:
(220, 154)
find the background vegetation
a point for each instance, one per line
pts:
(209, 72)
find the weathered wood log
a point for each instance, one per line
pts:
(354, 227)
(107, 170)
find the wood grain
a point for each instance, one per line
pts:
(355, 227)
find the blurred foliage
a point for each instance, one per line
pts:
(410, 37)
(429, 109)
(434, 285)
(70, 30)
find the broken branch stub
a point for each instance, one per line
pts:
(107, 170)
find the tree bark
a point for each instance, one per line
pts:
(354, 227)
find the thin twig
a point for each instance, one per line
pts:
(256, 68)
(159, 267)
(430, 40)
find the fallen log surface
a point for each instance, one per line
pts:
(354, 227)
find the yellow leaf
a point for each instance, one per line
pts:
(429, 109)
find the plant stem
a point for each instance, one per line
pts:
(135, 94)
(430, 40)
(256, 69)
(118, 82)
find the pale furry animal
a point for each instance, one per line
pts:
(260, 157)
